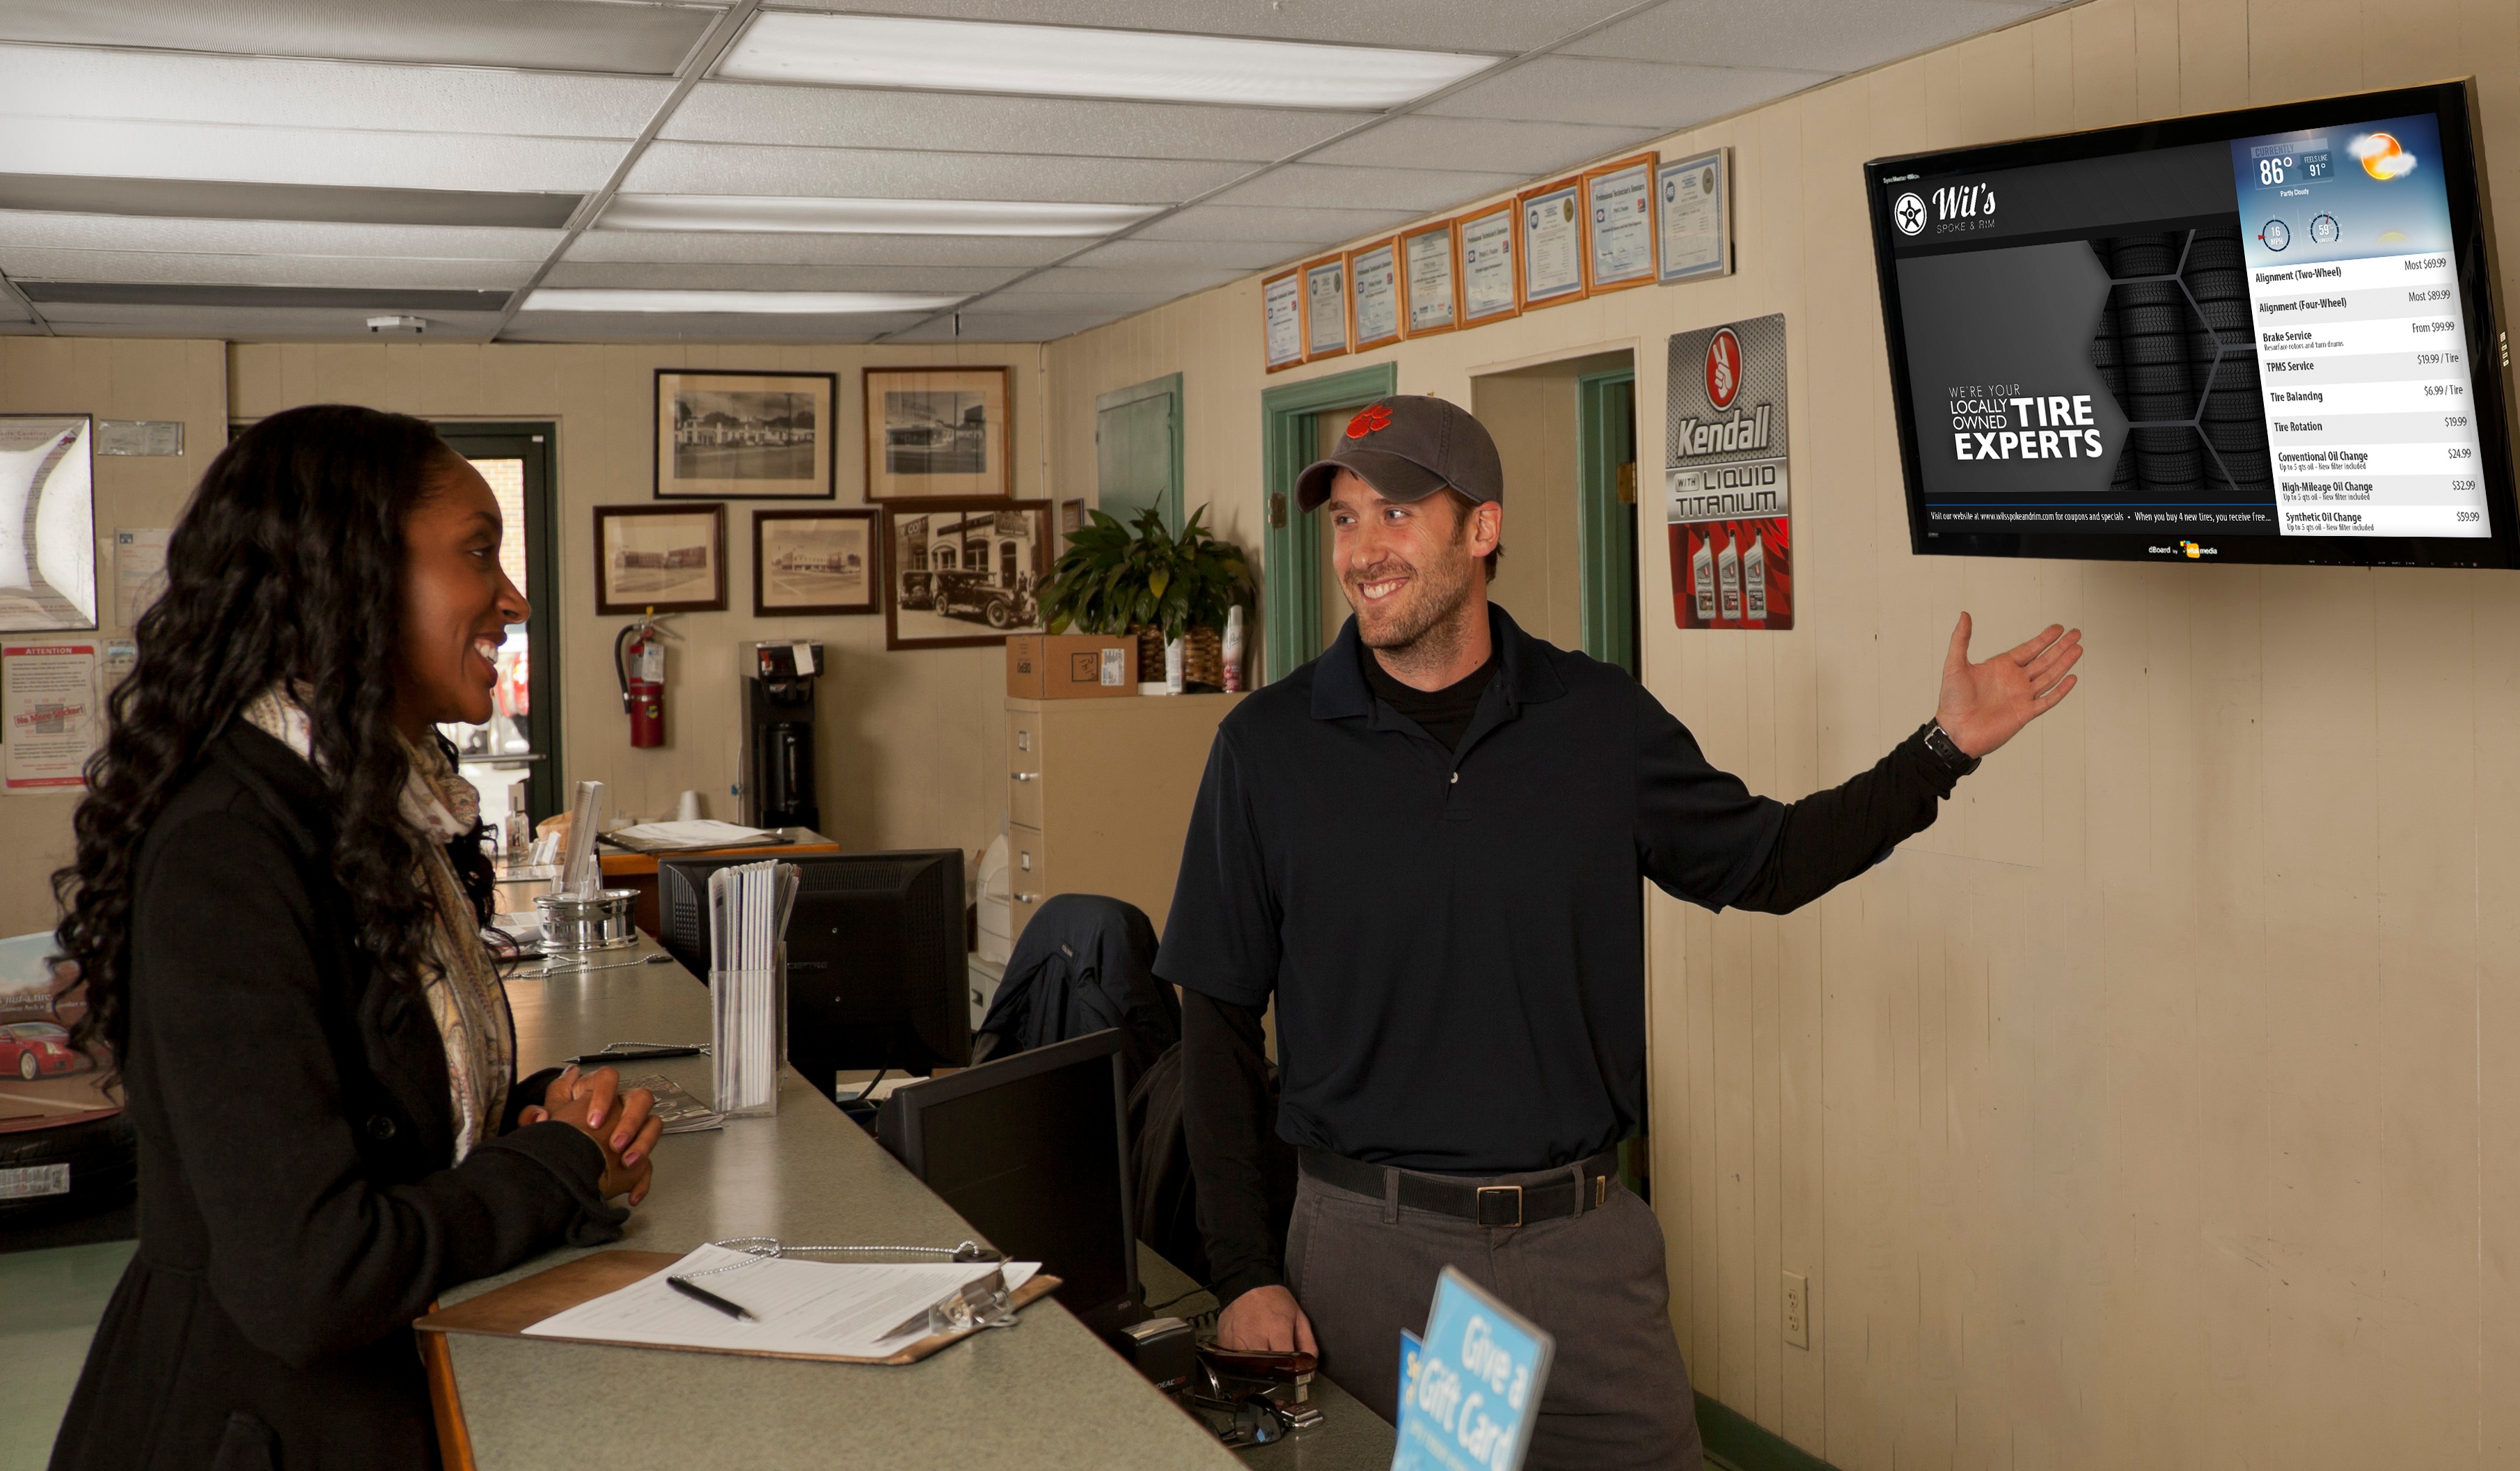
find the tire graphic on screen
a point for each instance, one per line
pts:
(2175, 346)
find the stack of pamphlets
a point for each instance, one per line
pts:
(748, 910)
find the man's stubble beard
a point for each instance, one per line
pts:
(1426, 633)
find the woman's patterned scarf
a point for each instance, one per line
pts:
(465, 997)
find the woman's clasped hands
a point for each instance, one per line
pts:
(619, 1124)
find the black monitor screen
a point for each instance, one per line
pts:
(2265, 336)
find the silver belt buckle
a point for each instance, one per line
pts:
(1512, 1192)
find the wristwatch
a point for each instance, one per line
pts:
(1940, 745)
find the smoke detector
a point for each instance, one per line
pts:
(412, 325)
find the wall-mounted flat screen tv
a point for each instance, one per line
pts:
(2268, 335)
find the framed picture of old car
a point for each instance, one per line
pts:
(935, 434)
(962, 574)
(744, 436)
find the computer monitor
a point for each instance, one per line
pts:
(1033, 1150)
(877, 975)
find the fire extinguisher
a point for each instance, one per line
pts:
(639, 662)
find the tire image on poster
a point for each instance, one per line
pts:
(1725, 481)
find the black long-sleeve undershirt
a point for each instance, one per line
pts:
(1826, 839)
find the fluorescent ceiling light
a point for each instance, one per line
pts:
(1064, 60)
(797, 215)
(788, 304)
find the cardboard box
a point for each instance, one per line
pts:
(1071, 666)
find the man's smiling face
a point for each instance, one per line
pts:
(1406, 567)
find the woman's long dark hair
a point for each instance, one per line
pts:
(287, 564)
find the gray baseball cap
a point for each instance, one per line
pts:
(1408, 447)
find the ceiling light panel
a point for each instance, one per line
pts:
(849, 117)
(1233, 222)
(1620, 93)
(262, 270)
(247, 325)
(349, 298)
(305, 155)
(1796, 34)
(711, 248)
(792, 214)
(840, 172)
(1065, 61)
(52, 81)
(745, 303)
(1498, 26)
(561, 35)
(1330, 186)
(660, 326)
(106, 232)
(221, 200)
(1526, 148)
(924, 279)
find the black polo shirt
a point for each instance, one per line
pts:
(1455, 938)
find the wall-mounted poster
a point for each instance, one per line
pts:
(938, 431)
(671, 559)
(1324, 308)
(1724, 477)
(822, 562)
(1552, 244)
(740, 436)
(1486, 267)
(963, 574)
(55, 720)
(1373, 289)
(1619, 224)
(1282, 320)
(1694, 218)
(1430, 275)
(47, 522)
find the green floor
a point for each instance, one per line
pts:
(53, 1300)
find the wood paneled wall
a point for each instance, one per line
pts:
(2156, 1108)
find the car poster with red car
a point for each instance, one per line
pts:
(1724, 477)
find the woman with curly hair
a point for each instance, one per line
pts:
(276, 911)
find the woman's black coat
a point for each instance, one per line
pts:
(296, 1207)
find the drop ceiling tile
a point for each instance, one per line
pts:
(1233, 222)
(716, 326)
(1811, 35)
(10, 311)
(1620, 93)
(1010, 327)
(1495, 26)
(872, 173)
(854, 117)
(28, 230)
(34, 265)
(226, 200)
(51, 81)
(1150, 287)
(1324, 186)
(252, 324)
(932, 280)
(1236, 256)
(563, 35)
(1525, 149)
(751, 248)
(86, 294)
(305, 155)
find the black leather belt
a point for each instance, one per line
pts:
(1470, 1199)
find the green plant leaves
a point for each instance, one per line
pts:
(1114, 577)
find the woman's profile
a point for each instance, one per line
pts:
(276, 911)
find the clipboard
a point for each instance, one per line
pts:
(507, 1312)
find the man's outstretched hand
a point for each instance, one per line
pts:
(1984, 705)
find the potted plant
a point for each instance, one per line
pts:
(1140, 579)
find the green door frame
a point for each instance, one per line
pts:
(1606, 529)
(1291, 556)
(535, 443)
(1167, 387)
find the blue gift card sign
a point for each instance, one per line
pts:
(1469, 1392)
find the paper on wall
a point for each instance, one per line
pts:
(48, 701)
(139, 571)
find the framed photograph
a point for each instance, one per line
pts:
(1071, 519)
(668, 557)
(744, 436)
(1374, 294)
(1324, 308)
(823, 562)
(1483, 264)
(1694, 216)
(939, 432)
(48, 505)
(1619, 224)
(964, 573)
(1281, 321)
(1430, 281)
(1551, 231)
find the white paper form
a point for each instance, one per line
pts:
(841, 1310)
(48, 695)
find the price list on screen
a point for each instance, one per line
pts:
(2361, 347)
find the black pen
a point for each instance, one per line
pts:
(640, 1056)
(702, 1294)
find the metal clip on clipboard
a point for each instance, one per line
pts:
(981, 1303)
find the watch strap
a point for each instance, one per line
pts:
(1947, 752)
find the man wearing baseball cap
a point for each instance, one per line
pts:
(1426, 845)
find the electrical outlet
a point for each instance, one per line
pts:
(1797, 1311)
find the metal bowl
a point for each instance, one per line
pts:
(601, 922)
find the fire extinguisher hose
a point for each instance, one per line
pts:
(620, 669)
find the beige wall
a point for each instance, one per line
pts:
(2156, 1108)
(1532, 413)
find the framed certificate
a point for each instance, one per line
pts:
(1484, 265)
(1432, 286)
(1325, 307)
(1281, 321)
(1619, 224)
(1552, 228)
(1693, 216)
(1373, 289)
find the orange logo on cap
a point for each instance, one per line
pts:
(1369, 419)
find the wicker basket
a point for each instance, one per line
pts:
(1203, 657)
(1150, 654)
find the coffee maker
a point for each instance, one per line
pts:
(778, 775)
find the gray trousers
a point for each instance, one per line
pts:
(1618, 1395)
